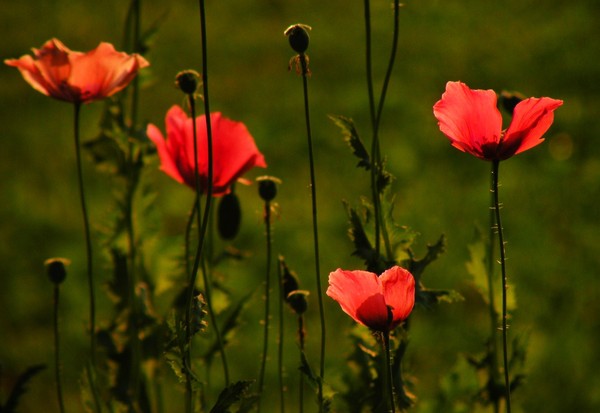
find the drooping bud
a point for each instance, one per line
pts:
(229, 216)
(297, 300)
(298, 37)
(288, 278)
(509, 100)
(267, 187)
(187, 81)
(56, 268)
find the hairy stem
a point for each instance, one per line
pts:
(499, 230)
(304, 65)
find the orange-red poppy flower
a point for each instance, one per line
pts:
(471, 120)
(380, 303)
(78, 77)
(234, 150)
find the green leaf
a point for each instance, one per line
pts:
(351, 137)
(230, 395)
(20, 388)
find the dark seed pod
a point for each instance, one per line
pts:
(56, 268)
(187, 81)
(229, 216)
(298, 37)
(267, 187)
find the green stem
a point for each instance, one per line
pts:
(380, 229)
(388, 371)
(301, 382)
(304, 65)
(89, 255)
(491, 300)
(374, 144)
(280, 344)
(57, 365)
(495, 166)
(261, 376)
(88, 239)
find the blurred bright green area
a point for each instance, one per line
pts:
(550, 194)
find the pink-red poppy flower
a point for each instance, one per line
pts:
(78, 77)
(234, 150)
(380, 303)
(471, 120)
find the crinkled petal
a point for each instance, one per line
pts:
(531, 119)
(102, 72)
(77, 77)
(399, 293)
(469, 118)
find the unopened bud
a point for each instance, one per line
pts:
(297, 300)
(267, 187)
(56, 268)
(229, 216)
(509, 100)
(298, 37)
(187, 81)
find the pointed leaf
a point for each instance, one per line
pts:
(351, 137)
(230, 395)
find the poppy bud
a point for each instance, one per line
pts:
(229, 216)
(56, 269)
(298, 37)
(297, 300)
(187, 81)
(267, 187)
(509, 100)
(289, 279)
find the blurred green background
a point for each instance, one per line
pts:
(551, 193)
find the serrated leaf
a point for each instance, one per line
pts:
(230, 395)
(362, 245)
(351, 137)
(20, 388)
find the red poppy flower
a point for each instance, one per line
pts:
(473, 123)
(234, 150)
(380, 303)
(77, 77)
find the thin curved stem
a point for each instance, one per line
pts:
(280, 344)
(495, 166)
(376, 163)
(373, 115)
(388, 371)
(57, 365)
(304, 65)
(301, 374)
(88, 239)
(89, 255)
(491, 299)
(261, 376)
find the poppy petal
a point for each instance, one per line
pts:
(531, 119)
(399, 293)
(469, 118)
